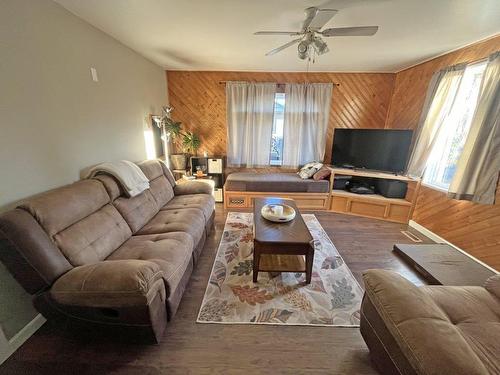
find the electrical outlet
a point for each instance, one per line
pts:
(93, 71)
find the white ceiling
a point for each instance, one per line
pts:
(218, 34)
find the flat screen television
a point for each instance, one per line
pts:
(376, 149)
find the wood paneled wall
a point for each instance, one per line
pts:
(474, 228)
(199, 101)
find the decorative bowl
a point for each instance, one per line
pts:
(272, 212)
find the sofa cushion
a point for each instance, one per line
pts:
(430, 341)
(168, 173)
(138, 210)
(115, 284)
(171, 251)
(93, 238)
(475, 313)
(188, 220)
(80, 220)
(161, 190)
(159, 186)
(195, 187)
(111, 185)
(151, 169)
(203, 202)
(274, 182)
(57, 209)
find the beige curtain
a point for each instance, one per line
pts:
(307, 107)
(441, 94)
(476, 176)
(250, 110)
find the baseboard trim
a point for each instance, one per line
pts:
(436, 238)
(19, 338)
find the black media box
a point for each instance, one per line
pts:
(391, 188)
(341, 182)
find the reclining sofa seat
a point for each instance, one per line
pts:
(431, 330)
(89, 254)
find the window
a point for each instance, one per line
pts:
(276, 152)
(444, 156)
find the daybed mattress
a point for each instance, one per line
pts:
(274, 182)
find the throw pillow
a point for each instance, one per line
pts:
(308, 170)
(322, 174)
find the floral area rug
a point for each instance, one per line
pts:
(333, 297)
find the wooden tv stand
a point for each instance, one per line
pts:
(374, 205)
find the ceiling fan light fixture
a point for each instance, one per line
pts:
(303, 49)
(320, 46)
(309, 37)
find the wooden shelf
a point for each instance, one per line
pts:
(374, 205)
(373, 174)
(370, 197)
(282, 263)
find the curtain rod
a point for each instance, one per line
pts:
(277, 83)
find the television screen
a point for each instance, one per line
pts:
(377, 149)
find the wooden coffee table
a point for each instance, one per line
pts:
(281, 247)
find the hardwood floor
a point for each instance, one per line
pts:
(191, 348)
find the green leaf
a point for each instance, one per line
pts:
(272, 316)
(190, 141)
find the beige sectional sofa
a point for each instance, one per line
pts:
(89, 255)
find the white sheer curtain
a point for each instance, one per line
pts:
(307, 107)
(476, 176)
(439, 100)
(249, 123)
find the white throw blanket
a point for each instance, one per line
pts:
(130, 176)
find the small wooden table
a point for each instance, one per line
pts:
(281, 247)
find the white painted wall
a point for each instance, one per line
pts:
(54, 120)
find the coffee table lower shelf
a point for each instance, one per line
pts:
(282, 263)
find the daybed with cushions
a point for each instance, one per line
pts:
(91, 255)
(241, 187)
(431, 330)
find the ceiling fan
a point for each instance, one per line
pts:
(309, 38)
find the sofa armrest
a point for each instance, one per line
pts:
(422, 330)
(399, 298)
(112, 283)
(193, 187)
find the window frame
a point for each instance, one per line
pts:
(280, 89)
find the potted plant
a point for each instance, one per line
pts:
(190, 141)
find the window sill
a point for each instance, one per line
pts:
(434, 187)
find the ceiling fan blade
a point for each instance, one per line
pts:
(310, 14)
(350, 31)
(277, 33)
(321, 18)
(281, 48)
